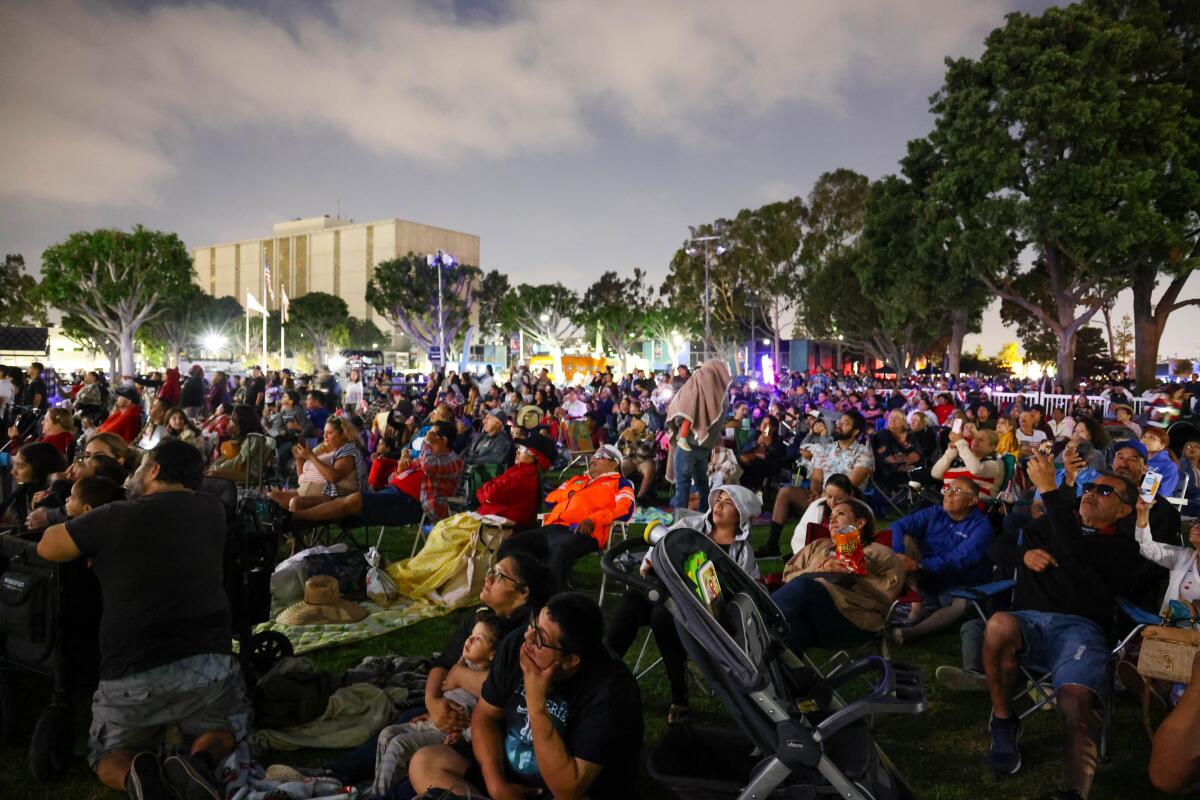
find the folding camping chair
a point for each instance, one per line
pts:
(579, 446)
(1037, 679)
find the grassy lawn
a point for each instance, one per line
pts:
(940, 752)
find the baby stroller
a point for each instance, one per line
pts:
(49, 625)
(793, 738)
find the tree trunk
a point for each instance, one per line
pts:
(1108, 329)
(1150, 319)
(126, 345)
(318, 353)
(557, 362)
(958, 332)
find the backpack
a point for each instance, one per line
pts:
(294, 692)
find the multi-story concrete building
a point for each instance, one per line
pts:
(322, 254)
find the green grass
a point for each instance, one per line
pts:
(940, 752)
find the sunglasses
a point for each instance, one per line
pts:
(1102, 489)
(954, 490)
(539, 638)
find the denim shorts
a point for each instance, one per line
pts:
(200, 694)
(1074, 649)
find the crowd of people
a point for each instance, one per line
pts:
(977, 477)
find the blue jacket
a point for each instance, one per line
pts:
(954, 550)
(1161, 463)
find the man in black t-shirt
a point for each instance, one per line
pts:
(165, 631)
(558, 714)
(34, 394)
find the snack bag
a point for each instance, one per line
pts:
(691, 568)
(848, 542)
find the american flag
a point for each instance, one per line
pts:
(267, 275)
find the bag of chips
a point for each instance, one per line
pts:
(848, 541)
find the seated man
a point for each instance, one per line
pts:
(846, 456)
(126, 417)
(559, 716)
(585, 507)
(943, 547)
(1059, 615)
(493, 444)
(165, 630)
(419, 486)
(514, 493)
(1029, 436)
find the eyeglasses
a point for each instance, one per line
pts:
(1102, 489)
(494, 574)
(539, 638)
(951, 491)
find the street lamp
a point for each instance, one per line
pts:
(441, 260)
(695, 251)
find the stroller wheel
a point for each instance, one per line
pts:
(266, 648)
(50, 747)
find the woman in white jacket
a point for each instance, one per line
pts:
(1183, 585)
(838, 489)
(732, 509)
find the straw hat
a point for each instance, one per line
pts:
(322, 605)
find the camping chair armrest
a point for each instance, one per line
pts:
(1139, 615)
(983, 591)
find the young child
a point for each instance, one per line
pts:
(92, 492)
(397, 743)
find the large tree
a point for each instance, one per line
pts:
(115, 281)
(1057, 146)
(363, 334)
(765, 248)
(320, 319)
(684, 288)
(92, 340)
(547, 314)
(20, 301)
(493, 286)
(405, 291)
(617, 307)
(188, 317)
(672, 326)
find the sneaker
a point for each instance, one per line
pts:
(1003, 755)
(145, 779)
(282, 773)
(961, 680)
(190, 779)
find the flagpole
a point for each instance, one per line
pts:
(246, 349)
(282, 348)
(266, 322)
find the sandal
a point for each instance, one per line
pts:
(678, 715)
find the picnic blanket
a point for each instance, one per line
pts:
(402, 613)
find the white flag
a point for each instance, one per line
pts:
(252, 304)
(283, 306)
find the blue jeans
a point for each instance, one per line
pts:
(691, 468)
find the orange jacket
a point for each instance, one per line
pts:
(602, 500)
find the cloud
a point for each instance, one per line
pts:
(100, 103)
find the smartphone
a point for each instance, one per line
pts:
(1149, 486)
(1084, 449)
(1046, 448)
(957, 425)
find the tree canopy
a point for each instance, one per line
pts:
(320, 319)
(546, 314)
(116, 282)
(20, 301)
(617, 307)
(405, 291)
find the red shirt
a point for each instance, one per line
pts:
(943, 411)
(513, 494)
(126, 423)
(61, 441)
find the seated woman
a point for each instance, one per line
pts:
(179, 426)
(155, 427)
(895, 452)
(58, 429)
(32, 467)
(243, 454)
(732, 510)
(336, 468)
(1182, 586)
(838, 489)
(825, 603)
(762, 458)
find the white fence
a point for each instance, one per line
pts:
(1053, 401)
